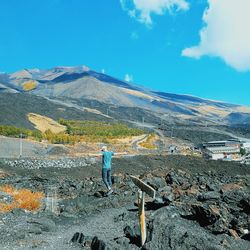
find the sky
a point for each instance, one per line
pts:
(194, 47)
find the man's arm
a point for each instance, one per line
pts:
(96, 155)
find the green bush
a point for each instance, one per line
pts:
(99, 129)
(76, 131)
(12, 131)
(242, 151)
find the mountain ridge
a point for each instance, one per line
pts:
(81, 82)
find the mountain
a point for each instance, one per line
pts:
(73, 86)
(14, 108)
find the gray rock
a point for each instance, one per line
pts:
(43, 224)
(211, 195)
(156, 182)
(6, 198)
(181, 234)
(168, 198)
(204, 215)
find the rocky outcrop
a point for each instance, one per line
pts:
(192, 210)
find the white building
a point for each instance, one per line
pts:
(226, 153)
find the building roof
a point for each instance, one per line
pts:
(215, 150)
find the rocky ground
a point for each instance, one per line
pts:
(200, 204)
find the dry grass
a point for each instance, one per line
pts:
(139, 94)
(22, 198)
(210, 110)
(44, 123)
(129, 140)
(149, 143)
(30, 85)
(242, 109)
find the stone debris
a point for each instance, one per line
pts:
(192, 210)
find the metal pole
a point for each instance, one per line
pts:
(21, 145)
(172, 131)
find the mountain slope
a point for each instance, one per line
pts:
(73, 84)
(15, 108)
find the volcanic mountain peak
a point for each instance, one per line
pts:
(73, 84)
(73, 69)
(21, 74)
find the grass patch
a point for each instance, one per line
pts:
(22, 198)
(149, 143)
(30, 85)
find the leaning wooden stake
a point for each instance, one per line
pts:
(142, 221)
(144, 188)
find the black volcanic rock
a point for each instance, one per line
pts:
(97, 244)
(204, 206)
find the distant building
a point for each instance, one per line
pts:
(222, 150)
(226, 153)
(229, 143)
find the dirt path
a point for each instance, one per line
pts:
(13, 147)
(101, 225)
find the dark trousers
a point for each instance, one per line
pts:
(106, 177)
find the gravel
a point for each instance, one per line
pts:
(50, 163)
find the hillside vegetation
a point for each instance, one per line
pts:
(76, 131)
(12, 131)
(99, 131)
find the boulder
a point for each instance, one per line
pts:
(78, 238)
(97, 244)
(211, 195)
(204, 214)
(156, 182)
(42, 224)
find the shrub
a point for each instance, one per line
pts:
(13, 131)
(243, 151)
(22, 198)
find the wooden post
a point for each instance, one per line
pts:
(142, 221)
(144, 188)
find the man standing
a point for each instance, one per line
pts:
(106, 169)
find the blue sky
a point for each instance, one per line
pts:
(155, 44)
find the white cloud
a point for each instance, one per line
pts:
(103, 71)
(143, 9)
(128, 78)
(226, 33)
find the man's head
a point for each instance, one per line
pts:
(104, 148)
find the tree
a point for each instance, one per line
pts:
(242, 151)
